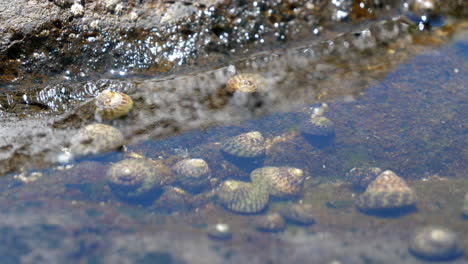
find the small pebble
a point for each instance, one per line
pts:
(435, 243)
(219, 231)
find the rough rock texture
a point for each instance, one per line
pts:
(113, 37)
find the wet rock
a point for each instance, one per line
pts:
(361, 177)
(435, 243)
(219, 231)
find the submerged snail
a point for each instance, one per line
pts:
(243, 197)
(435, 243)
(174, 199)
(318, 130)
(298, 214)
(245, 151)
(111, 105)
(96, 138)
(282, 182)
(192, 173)
(247, 145)
(246, 82)
(387, 191)
(272, 222)
(134, 179)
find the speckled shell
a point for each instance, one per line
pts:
(192, 173)
(174, 199)
(298, 213)
(246, 82)
(435, 243)
(282, 182)
(96, 138)
(272, 222)
(361, 177)
(134, 177)
(243, 197)
(387, 191)
(111, 105)
(318, 126)
(248, 145)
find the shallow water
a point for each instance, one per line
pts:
(413, 121)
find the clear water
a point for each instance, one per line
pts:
(413, 122)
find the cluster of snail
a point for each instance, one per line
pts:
(140, 179)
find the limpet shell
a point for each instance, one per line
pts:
(247, 145)
(174, 199)
(387, 191)
(318, 126)
(435, 243)
(272, 222)
(318, 130)
(111, 105)
(298, 213)
(282, 182)
(192, 173)
(134, 178)
(96, 138)
(361, 177)
(242, 197)
(246, 82)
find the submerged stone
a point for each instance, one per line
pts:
(435, 243)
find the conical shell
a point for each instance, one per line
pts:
(243, 197)
(173, 199)
(134, 177)
(248, 145)
(318, 125)
(298, 213)
(272, 222)
(96, 138)
(246, 82)
(112, 105)
(281, 181)
(385, 192)
(192, 173)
